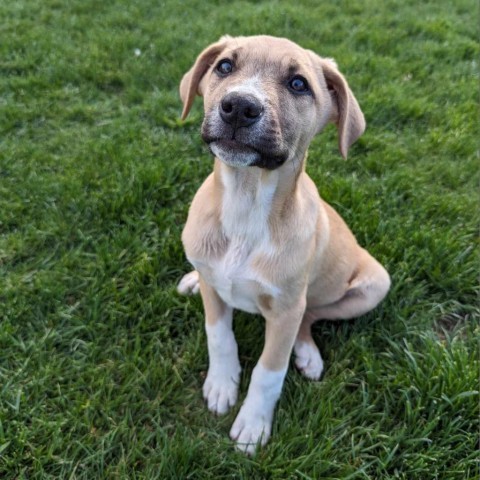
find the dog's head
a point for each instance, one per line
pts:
(265, 98)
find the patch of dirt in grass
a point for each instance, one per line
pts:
(452, 325)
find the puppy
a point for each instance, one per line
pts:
(258, 234)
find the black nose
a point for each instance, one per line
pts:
(240, 110)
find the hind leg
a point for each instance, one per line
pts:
(307, 356)
(365, 291)
(189, 284)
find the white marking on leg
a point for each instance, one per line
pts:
(189, 284)
(308, 359)
(253, 424)
(220, 389)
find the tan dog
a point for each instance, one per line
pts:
(258, 234)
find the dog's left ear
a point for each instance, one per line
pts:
(346, 112)
(191, 81)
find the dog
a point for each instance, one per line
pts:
(258, 234)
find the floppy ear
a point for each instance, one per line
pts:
(190, 84)
(346, 114)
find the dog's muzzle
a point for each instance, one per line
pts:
(240, 110)
(237, 132)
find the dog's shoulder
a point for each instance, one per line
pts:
(202, 235)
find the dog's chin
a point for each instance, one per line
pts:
(237, 154)
(234, 154)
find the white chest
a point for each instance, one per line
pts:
(245, 222)
(235, 279)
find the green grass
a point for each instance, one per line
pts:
(102, 363)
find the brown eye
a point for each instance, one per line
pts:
(298, 85)
(224, 67)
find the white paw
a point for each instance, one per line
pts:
(189, 284)
(308, 360)
(253, 424)
(220, 389)
(251, 428)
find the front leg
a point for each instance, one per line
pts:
(253, 424)
(220, 389)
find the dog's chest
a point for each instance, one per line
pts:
(236, 280)
(234, 275)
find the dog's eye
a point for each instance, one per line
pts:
(224, 67)
(298, 85)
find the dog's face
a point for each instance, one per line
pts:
(263, 102)
(265, 98)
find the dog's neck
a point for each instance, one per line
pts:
(251, 197)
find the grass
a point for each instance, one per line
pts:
(101, 363)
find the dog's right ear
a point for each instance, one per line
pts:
(191, 83)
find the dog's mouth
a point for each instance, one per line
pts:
(233, 152)
(238, 154)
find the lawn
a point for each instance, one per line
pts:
(102, 363)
